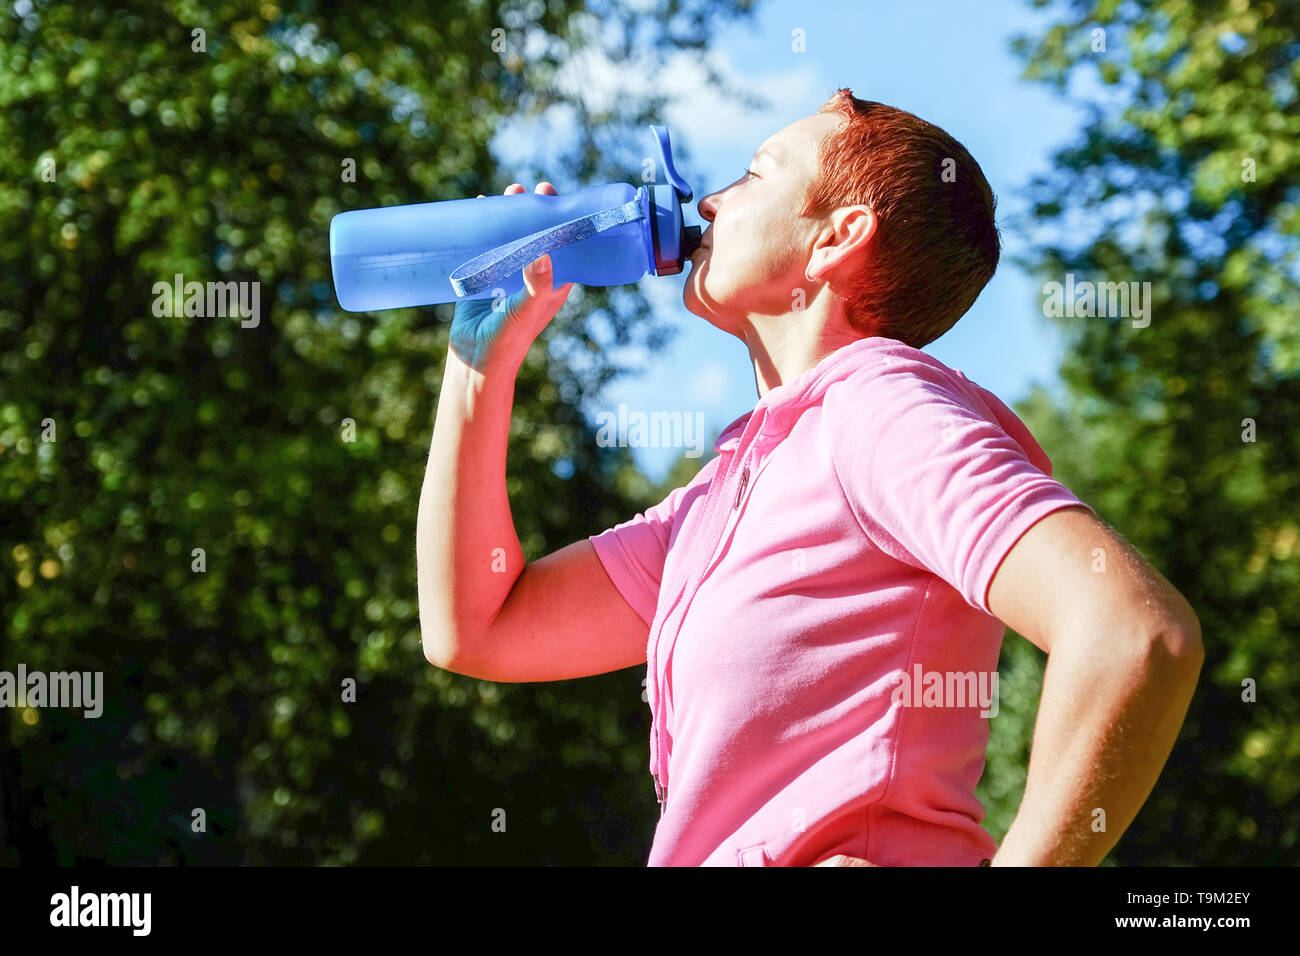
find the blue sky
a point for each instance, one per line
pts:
(947, 61)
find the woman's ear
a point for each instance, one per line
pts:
(843, 243)
(854, 228)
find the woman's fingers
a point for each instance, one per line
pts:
(543, 187)
(537, 274)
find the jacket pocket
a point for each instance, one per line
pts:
(755, 855)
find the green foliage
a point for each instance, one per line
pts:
(1193, 186)
(223, 161)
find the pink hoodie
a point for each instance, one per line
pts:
(821, 646)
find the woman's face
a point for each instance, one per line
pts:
(753, 257)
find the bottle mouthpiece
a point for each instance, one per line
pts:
(691, 238)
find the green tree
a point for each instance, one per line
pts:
(145, 140)
(1181, 431)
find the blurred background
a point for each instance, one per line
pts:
(1134, 141)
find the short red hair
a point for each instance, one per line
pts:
(936, 245)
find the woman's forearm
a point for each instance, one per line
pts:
(467, 551)
(1108, 718)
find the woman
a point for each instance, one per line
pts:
(822, 606)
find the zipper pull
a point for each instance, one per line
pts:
(744, 480)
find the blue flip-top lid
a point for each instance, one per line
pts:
(673, 241)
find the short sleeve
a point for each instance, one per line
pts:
(933, 475)
(634, 552)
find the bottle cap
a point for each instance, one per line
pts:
(672, 241)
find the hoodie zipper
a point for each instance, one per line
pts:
(744, 480)
(741, 449)
(661, 792)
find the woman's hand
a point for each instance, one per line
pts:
(503, 328)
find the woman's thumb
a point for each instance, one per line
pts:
(537, 275)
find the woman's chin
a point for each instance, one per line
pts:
(691, 290)
(689, 298)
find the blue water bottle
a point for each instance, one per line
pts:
(419, 254)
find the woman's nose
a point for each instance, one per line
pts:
(707, 207)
